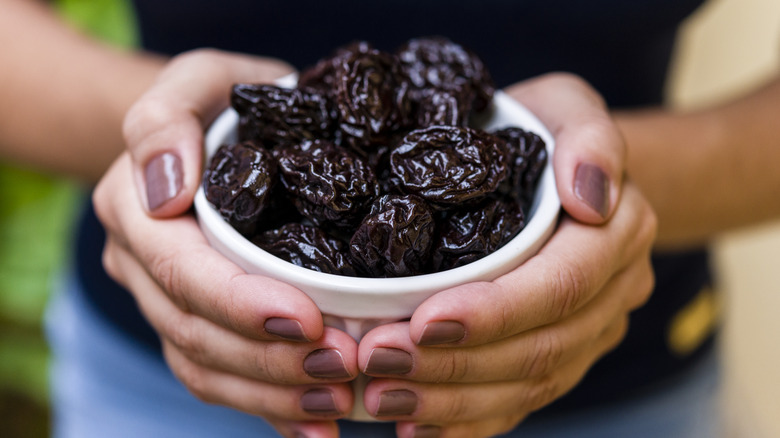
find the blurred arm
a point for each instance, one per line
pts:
(63, 94)
(709, 170)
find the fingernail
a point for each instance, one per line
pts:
(592, 187)
(384, 361)
(441, 332)
(427, 431)
(319, 402)
(325, 364)
(163, 179)
(396, 402)
(285, 328)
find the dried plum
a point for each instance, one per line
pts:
(470, 234)
(239, 183)
(527, 158)
(371, 99)
(437, 63)
(328, 184)
(395, 238)
(448, 165)
(322, 75)
(274, 115)
(308, 247)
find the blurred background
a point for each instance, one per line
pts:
(726, 48)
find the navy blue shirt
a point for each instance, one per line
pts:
(621, 47)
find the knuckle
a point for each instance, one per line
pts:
(451, 369)
(165, 271)
(567, 289)
(545, 357)
(181, 332)
(149, 113)
(456, 408)
(193, 377)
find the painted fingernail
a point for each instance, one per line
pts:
(383, 361)
(427, 431)
(396, 402)
(319, 402)
(591, 186)
(441, 332)
(164, 177)
(289, 329)
(325, 364)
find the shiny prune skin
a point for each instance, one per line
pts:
(439, 64)
(470, 234)
(371, 98)
(307, 246)
(449, 165)
(441, 108)
(527, 158)
(329, 185)
(239, 183)
(273, 115)
(321, 76)
(395, 237)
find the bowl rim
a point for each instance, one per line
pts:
(543, 215)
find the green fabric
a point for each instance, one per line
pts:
(36, 217)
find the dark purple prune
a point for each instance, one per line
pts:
(441, 108)
(470, 234)
(371, 99)
(448, 165)
(527, 158)
(437, 63)
(308, 247)
(322, 75)
(274, 115)
(328, 184)
(239, 182)
(395, 238)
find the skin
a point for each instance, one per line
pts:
(523, 353)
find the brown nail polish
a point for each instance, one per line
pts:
(427, 431)
(325, 364)
(163, 175)
(396, 402)
(441, 332)
(383, 361)
(288, 329)
(319, 402)
(592, 187)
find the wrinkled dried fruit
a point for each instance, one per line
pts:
(272, 115)
(438, 64)
(239, 182)
(442, 108)
(395, 238)
(371, 99)
(328, 184)
(448, 165)
(470, 234)
(308, 247)
(527, 158)
(322, 76)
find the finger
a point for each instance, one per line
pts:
(308, 429)
(196, 277)
(332, 357)
(489, 427)
(441, 403)
(164, 128)
(386, 352)
(299, 402)
(564, 276)
(589, 156)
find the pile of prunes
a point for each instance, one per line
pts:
(368, 167)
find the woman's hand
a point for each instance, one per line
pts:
(477, 359)
(244, 341)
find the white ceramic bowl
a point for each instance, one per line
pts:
(358, 304)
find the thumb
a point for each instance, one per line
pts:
(589, 157)
(164, 128)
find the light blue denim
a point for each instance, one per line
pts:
(105, 386)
